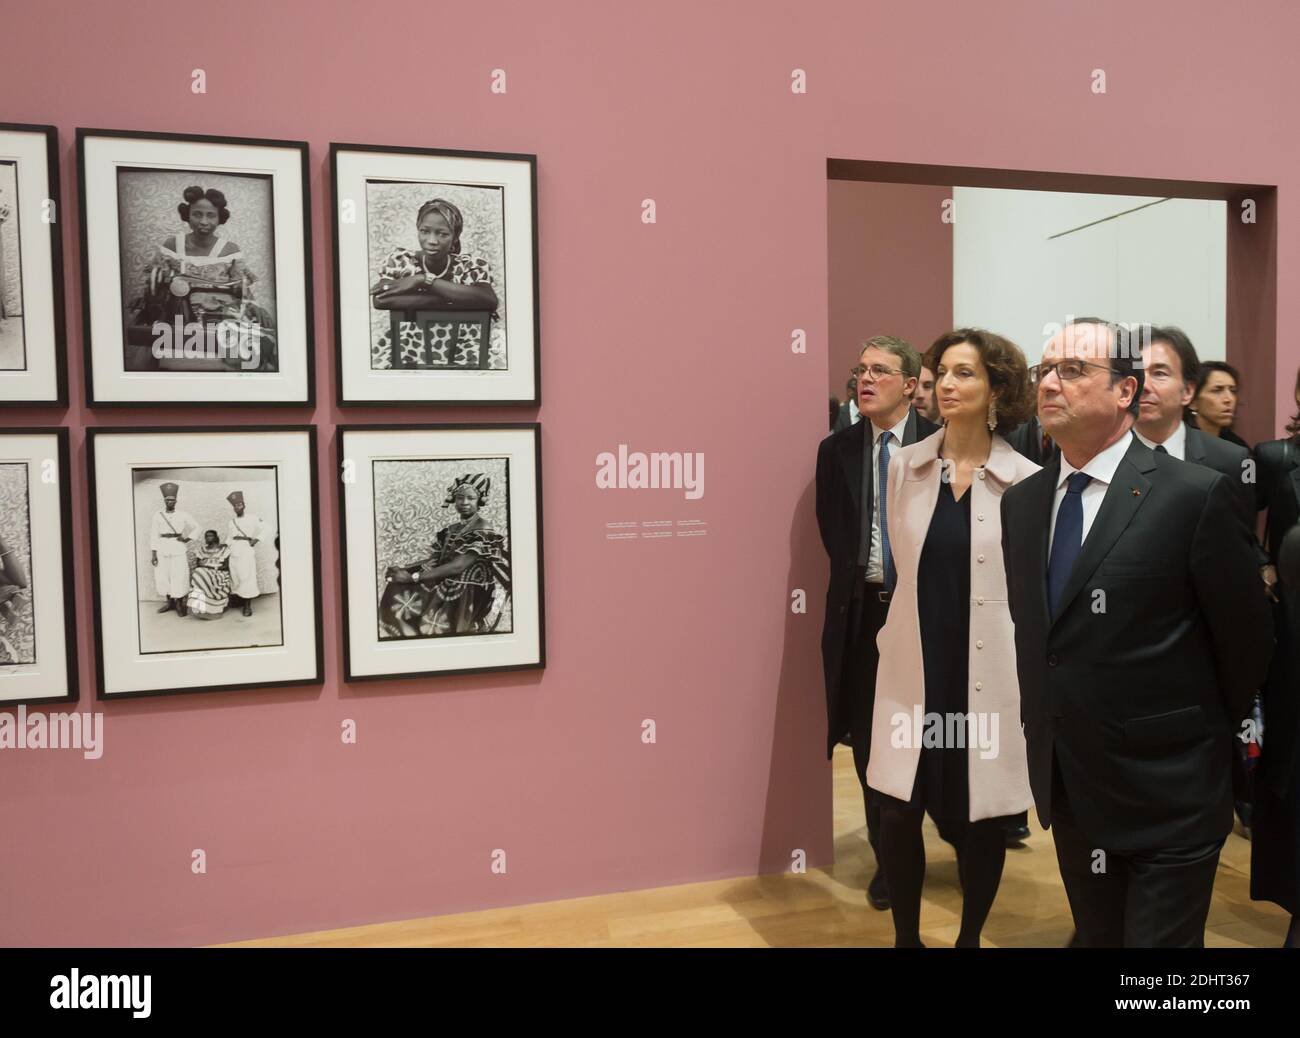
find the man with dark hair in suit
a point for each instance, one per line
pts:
(852, 477)
(1138, 648)
(847, 413)
(1170, 364)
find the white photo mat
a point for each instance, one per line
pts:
(39, 382)
(358, 382)
(125, 669)
(111, 383)
(368, 656)
(47, 677)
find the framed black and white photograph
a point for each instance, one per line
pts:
(441, 530)
(38, 654)
(435, 276)
(205, 558)
(32, 359)
(196, 269)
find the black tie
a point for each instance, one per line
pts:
(1160, 449)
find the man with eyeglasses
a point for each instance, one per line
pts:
(1138, 649)
(852, 480)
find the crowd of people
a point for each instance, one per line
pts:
(1047, 591)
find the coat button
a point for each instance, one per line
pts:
(842, 608)
(1052, 660)
(979, 601)
(980, 473)
(979, 645)
(981, 558)
(980, 517)
(979, 685)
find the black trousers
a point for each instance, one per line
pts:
(1132, 899)
(858, 693)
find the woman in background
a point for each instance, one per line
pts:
(938, 656)
(1275, 818)
(1214, 404)
(210, 578)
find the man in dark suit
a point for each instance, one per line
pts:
(1138, 650)
(852, 470)
(848, 411)
(1030, 441)
(1170, 363)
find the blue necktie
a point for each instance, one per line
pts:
(1067, 539)
(886, 558)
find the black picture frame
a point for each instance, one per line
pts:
(536, 429)
(62, 439)
(59, 300)
(341, 399)
(304, 151)
(93, 434)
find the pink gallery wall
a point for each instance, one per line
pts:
(667, 336)
(890, 268)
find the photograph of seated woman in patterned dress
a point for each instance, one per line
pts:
(442, 532)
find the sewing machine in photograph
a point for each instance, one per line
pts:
(448, 336)
(168, 303)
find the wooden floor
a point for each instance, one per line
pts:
(825, 908)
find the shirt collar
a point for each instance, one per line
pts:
(897, 430)
(1101, 467)
(1176, 444)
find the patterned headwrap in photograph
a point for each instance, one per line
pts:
(449, 213)
(477, 481)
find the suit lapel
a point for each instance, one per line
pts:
(1040, 522)
(909, 430)
(1295, 484)
(1125, 495)
(851, 460)
(1194, 446)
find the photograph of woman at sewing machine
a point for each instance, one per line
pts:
(196, 269)
(198, 291)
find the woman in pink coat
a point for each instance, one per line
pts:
(946, 734)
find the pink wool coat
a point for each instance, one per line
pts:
(999, 785)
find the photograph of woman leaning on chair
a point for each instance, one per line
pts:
(943, 519)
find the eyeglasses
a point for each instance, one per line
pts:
(1066, 370)
(874, 372)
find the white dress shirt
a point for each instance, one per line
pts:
(1176, 445)
(875, 561)
(1101, 468)
(855, 415)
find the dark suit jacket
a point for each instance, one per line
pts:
(840, 500)
(843, 417)
(1277, 482)
(1027, 439)
(1227, 457)
(1138, 694)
